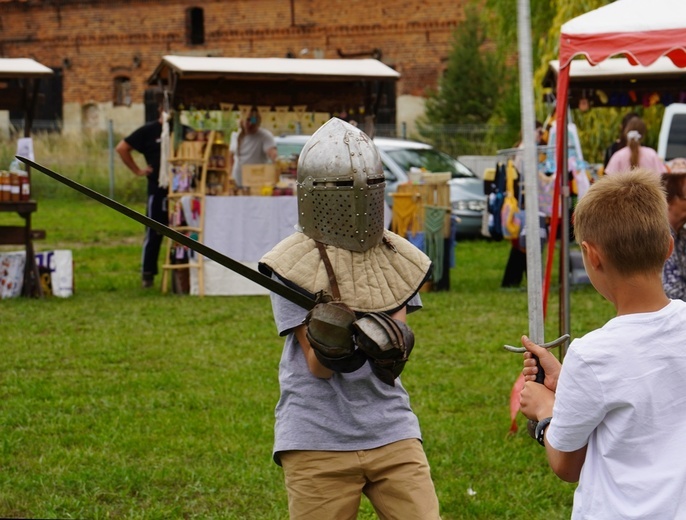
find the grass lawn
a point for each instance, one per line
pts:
(125, 403)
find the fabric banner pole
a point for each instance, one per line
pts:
(561, 203)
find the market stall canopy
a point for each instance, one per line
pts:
(19, 82)
(23, 68)
(641, 31)
(274, 69)
(321, 84)
(616, 82)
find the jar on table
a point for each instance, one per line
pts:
(24, 186)
(15, 187)
(4, 186)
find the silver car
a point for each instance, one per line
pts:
(467, 197)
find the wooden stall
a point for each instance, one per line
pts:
(293, 96)
(19, 84)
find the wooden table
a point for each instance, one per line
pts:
(23, 235)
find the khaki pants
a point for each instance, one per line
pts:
(328, 485)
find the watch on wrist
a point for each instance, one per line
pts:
(540, 430)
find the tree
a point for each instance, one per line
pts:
(468, 91)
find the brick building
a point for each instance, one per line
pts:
(103, 51)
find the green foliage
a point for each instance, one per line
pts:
(597, 127)
(121, 402)
(468, 91)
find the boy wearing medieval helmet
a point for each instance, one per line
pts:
(344, 425)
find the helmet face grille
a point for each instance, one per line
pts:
(341, 188)
(333, 213)
(334, 216)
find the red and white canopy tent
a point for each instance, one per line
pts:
(639, 30)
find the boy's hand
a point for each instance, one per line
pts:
(551, 366)
(536, 401)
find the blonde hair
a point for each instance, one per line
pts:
(625, 216)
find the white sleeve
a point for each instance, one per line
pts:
(579, 405)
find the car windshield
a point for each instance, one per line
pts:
(429, 159)
(287, 149)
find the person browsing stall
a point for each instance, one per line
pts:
(146, 140)
(344, 425)
(252, 144)
(674, 272)
(634, 154)
(620, 142)
(613, 416)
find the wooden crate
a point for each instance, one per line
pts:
(257, 176)
(434, 193)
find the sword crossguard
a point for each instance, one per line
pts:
(552, 344)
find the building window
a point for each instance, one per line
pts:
(122, 91)
(195, 26)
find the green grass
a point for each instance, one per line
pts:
(125, 403)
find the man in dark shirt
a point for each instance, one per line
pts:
(147, 141)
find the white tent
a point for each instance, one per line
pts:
(640, 30)
(23, 68)
(279, 69)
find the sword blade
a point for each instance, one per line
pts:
(235, 266)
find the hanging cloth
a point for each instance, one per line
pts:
(510, 217)
(405, 214)
(164, 174)
(163, 178)
(434, 230)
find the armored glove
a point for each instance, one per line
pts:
(330, 334)
(387, 342)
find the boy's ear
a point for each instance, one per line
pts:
(671, 246)
(593, 255)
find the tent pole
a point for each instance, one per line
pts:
(564, 317)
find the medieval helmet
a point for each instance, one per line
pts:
(341, 188)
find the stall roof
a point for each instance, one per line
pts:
(23, 68)
(193, 67)
(321, 85)
(615, 69)
(616, 82)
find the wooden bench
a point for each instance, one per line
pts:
(15, 235)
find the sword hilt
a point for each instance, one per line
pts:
(540, 375)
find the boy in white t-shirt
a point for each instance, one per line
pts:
(613, 417)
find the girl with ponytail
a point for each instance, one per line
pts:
(634, 155)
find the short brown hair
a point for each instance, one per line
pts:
(625, 215)
(673, 184)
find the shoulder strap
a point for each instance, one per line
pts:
(335, 292)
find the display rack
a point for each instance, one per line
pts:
(198, 169)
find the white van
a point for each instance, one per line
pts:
(672, 140)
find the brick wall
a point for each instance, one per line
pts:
(96, 41)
